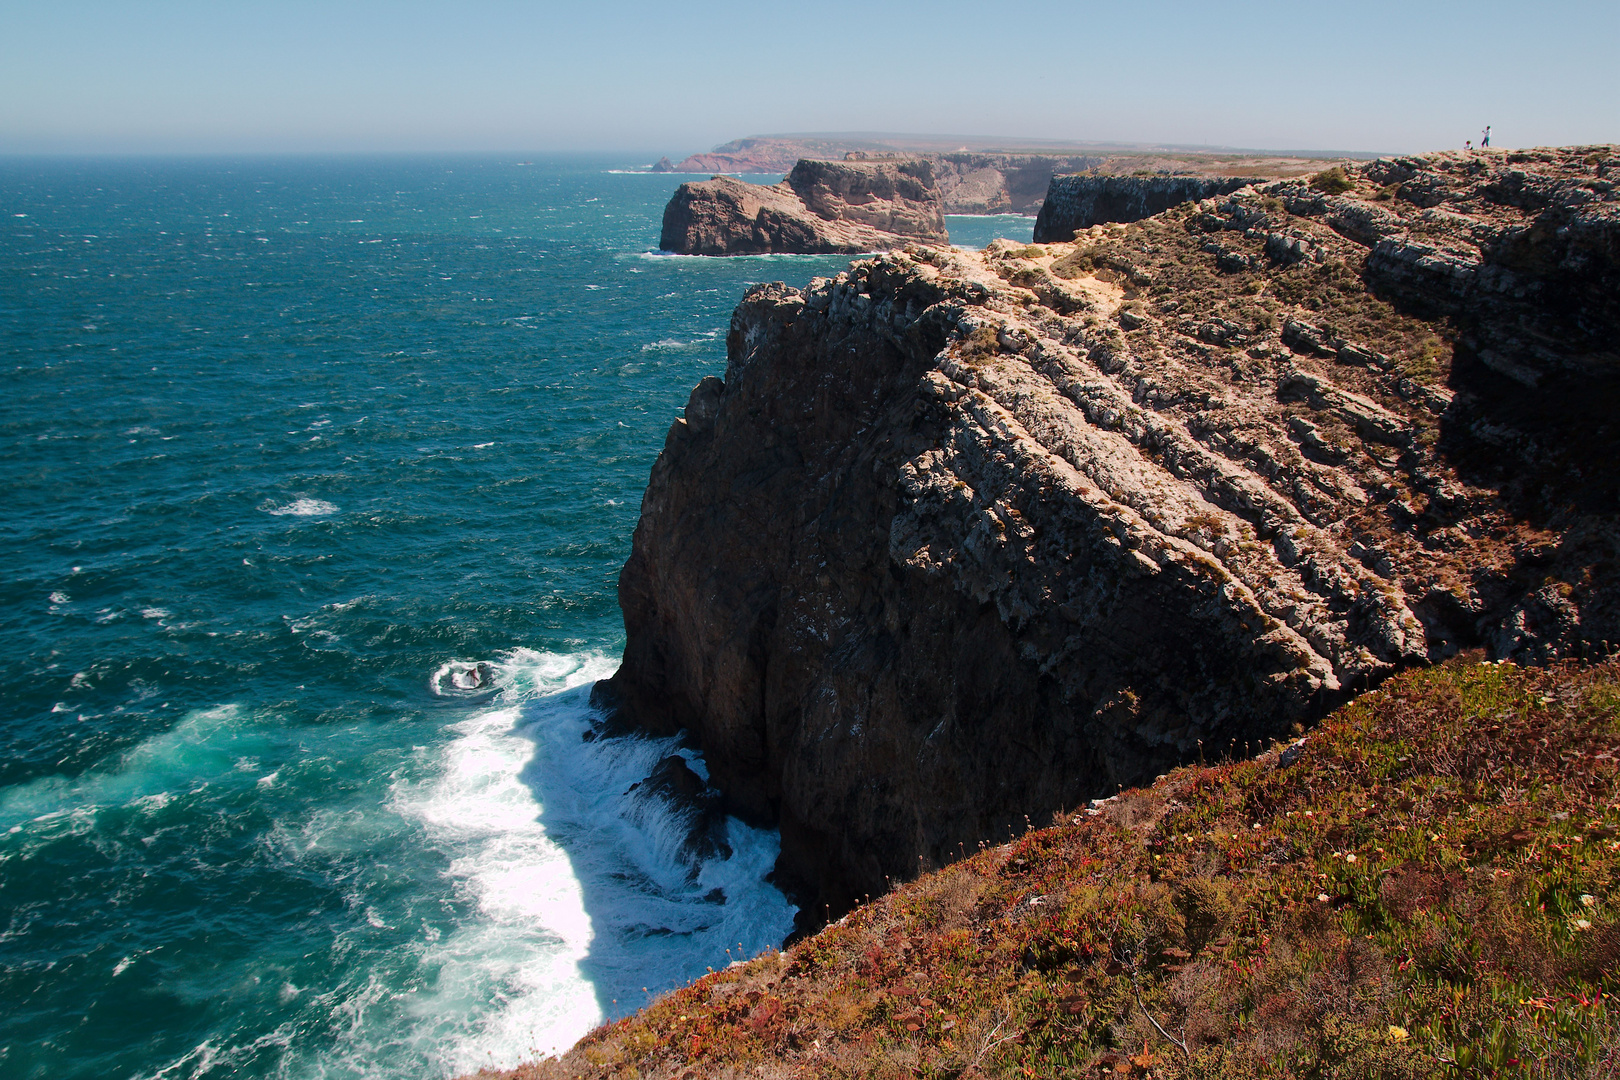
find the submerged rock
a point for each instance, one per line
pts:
(699, 807)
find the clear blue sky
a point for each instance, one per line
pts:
(183, 76)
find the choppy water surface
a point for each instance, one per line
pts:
(318, 476)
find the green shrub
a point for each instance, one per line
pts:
(1334, 181)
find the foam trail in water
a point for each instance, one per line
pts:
(205, 746)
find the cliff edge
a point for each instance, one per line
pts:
(821, 207)
(962, 538)
(1079, 202)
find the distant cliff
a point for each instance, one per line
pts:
(987, 176)
(1079, 202)
(965, 537)
(821, 207)
(1000, 183)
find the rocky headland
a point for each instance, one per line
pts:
(821, 207)
(978, 176)
(961, 538)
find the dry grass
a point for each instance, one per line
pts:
(1425, 888)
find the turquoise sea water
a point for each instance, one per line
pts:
(288, 448)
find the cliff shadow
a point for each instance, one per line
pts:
(1552, 449)
(655, 885)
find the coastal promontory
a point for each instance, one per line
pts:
(965, 537)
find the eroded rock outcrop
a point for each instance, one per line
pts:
(965, 537)
(821, 207)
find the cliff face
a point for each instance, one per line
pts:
(1001, 183)
(897, 197)
(978, 176)
(961, 538)
(821, 207)
(1079, 202)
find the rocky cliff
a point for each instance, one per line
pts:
(965, 537)
(821, 207)
(987, 176)
(972, 183)
(1079, 202)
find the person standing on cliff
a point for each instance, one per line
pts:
(1485, 139)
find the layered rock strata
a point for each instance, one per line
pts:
(961, 538)
(1079, 202)
(972, 183)
(821, 207)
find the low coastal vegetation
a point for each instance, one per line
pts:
(1422, 887)
(1334, 181)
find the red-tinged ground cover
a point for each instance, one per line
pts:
(1424, 887)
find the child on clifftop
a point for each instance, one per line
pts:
(1485, 139)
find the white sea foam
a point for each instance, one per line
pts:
(571, 891)
(582, 889)
(301, 508)
(769, 256)
(531, 930)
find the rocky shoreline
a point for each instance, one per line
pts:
(961, 538)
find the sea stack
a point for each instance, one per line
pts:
(821, 207)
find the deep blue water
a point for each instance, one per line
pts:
(287, 447)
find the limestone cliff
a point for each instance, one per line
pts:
(821, 207)
(971, 183)
(965, 537)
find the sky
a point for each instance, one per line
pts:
(234, 76)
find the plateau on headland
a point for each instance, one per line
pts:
(962, 538)
(821, 207)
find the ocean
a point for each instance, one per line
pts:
(318, 475)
